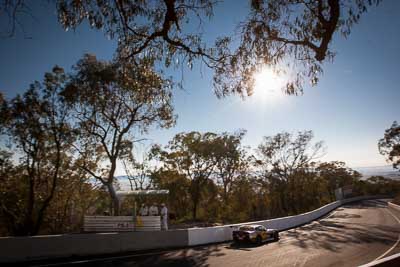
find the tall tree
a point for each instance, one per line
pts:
(230, 160)
(337, 174)
(285, 153)
(389, 145)
(36, 124)
(192, 155)
(112, 105)
(282, 159)
(178, 186)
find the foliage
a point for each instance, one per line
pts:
(178, 186)
(110, 102)
(286, 35)
(230, 160)
(337, 175)
(74, 198)
(190, 154)
(235, 187)
(284, 153)
(293, 38)
(137, 172)
(37, 128)
(389, 145)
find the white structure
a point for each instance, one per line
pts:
(128, 223)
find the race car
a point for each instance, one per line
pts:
(254, 234)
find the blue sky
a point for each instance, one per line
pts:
(356, 99)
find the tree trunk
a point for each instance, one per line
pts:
(195, 194)
(194, 211)
(114, 199)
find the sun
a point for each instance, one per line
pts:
(267, 85)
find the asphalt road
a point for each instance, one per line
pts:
(350, 236)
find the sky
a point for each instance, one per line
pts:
(356, 99)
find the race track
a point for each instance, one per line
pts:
(352, 235)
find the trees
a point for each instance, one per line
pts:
(146, 28)
(178, 186)
(230, 160)
(292, 37)
(337, 174)
(283, 160)
(285, 35)
(75, 195)
(216, 172)
(210, 163)
(111, 103)
(232, 165)
(285, 153)
(192, 155)
(36, 124)
(137, 172)
(389, 145)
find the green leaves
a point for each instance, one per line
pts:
(389, 145)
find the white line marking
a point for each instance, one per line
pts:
(398, 239)
(332, 213)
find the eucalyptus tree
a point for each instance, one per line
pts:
(113, 105)
(337, 175)
(36, 125)
(190, 155)
(292, 36)
(137, 171)
(282, 161)
(289, 36)
(389, 145)
(284, 153)
(231, 161)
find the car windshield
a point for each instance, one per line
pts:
(246, 228)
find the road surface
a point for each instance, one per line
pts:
(351, 235)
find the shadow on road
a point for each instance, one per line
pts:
(367, 204)
(333, 232)
(196, 256)
(245, 246)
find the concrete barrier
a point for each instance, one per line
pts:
(55, 246)
(397, 207)
(38, 247)
(208, 235)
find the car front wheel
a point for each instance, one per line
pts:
(259, 240)
(276, 236)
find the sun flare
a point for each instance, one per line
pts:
(267, 85)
